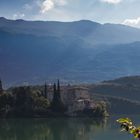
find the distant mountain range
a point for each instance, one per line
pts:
(80, 51)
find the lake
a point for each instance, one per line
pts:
(63, 129)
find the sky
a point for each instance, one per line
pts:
(102, 11)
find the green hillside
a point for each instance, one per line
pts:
(122, 95)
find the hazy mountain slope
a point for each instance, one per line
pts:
(34, 51)
(92, 32)
(133, 81)
(35, 59)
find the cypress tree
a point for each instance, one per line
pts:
(54, 100)
(45, 90)
(58, 90)
(1, 89)
(57, 105)
(54, 93)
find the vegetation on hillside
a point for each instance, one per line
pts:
(122, 93)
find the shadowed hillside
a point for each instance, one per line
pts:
(77, 52)
(122, 95)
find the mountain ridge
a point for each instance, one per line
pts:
(75, 21)
(81, 51)
(83, 28)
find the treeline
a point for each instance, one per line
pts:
(26, 101)
(22, 102)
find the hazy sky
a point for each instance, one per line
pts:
(103, 11)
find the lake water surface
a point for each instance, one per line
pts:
(63, 129)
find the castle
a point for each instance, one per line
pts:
(68, 99)
(74, 97)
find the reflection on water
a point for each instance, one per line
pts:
(63, 129)
(49, 129)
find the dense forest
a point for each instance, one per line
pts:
(34, 101)
(31, 101)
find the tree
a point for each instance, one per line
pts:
(57, 104)
(54, 93)
(6, 103)
(100, 109)
(58, 90)
(28, 102)
(20, 94)
(1, 89)
(45, 90)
